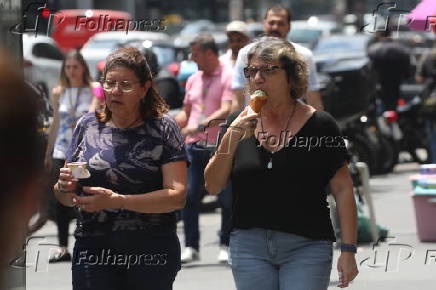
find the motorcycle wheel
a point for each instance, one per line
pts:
(388, 154)
(361, 151)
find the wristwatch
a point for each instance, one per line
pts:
(348, 248)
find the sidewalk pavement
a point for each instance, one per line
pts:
(400, 263)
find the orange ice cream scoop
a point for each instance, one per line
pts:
(257, 100)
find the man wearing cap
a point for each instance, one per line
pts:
(237, 35)
(277, 22)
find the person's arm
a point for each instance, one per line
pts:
(238, 80)
(217, 172)
(238, 101)
(54, 126)
(67, 194)
(219, 114)
(172, 197)
(341, 186)
(183, 117)
(313, 96)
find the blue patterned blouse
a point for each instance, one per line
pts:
(127, 161)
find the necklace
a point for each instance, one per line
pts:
(269, 165)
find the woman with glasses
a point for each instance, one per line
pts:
(126, 229)
(280, 162)
(72, 98)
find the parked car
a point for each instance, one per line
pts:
(160, 54)
(101, 44)
(42, 61)
(198, 26)
(78, 25)
(308, 32)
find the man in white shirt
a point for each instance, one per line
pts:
(277, 22)
(237, 35)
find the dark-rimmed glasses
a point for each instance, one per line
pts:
(265, 71)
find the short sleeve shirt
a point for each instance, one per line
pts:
(127, 161)
(205, 95)
(291, 195)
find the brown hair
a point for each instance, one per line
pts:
(205, 41)
(273, 49)
(75, 54)
(152, 105)
(277, 8)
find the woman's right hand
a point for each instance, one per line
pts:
(245, 123)
(66, 181)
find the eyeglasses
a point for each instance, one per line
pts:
(125, 86)
(265, 71)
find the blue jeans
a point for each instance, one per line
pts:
(271, 260)
(126, 260)
(199, 157)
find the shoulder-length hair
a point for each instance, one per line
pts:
(152, 105)
(64, 82)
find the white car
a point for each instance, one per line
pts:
(42, 61)
(102, 44)
(308, 32)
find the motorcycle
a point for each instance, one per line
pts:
(412, 124)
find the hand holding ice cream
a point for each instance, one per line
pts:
(257, 100)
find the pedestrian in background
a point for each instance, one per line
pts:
(72, 98)
(426, 73)
(237, 38)
(138, 166)
(276, 23)
(391, 62)
(208, 98)
(282, 233)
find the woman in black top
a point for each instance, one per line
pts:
(282, 234)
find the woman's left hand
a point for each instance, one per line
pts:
(347, 269)
(102, 198)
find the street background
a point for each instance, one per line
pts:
(394, 210)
